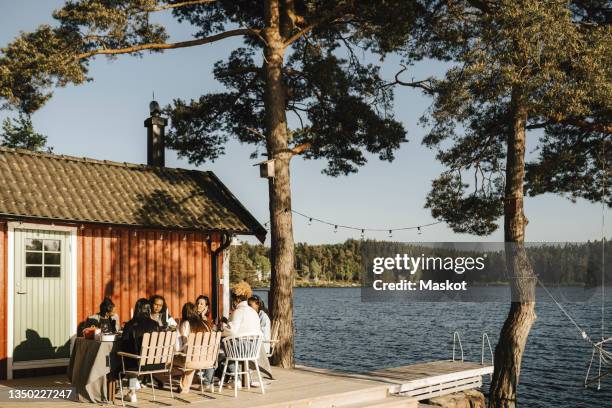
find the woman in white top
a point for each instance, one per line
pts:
(243, 320)
(260, 307)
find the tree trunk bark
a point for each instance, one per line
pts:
(279, 188)
(513, 336)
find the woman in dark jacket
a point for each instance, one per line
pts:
(131, 340)
(106, 318)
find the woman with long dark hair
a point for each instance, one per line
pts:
(131, 339)
(264, 320)
(203, 308)
(191, 322)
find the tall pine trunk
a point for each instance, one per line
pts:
(513, 336)
(279, 187)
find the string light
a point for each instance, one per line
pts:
(337, 226)
(362, 230)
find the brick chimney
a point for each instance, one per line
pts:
(155, 125)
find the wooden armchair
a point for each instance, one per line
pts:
(156, 355)
(273, 339)
(201, 353)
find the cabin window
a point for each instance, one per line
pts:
(43, 258)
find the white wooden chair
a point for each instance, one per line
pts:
(273, 339)
(242, 350)
(200, 354)
(157, 351)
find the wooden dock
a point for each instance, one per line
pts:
(432, 379)
(304, 387)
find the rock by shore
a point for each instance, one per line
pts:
(463, 399)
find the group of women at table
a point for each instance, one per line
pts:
(248, 316)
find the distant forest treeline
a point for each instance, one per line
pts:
(571, 263)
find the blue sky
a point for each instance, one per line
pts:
(103, 119)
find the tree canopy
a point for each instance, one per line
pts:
(19, 133)
(551, 57)
(338, 103)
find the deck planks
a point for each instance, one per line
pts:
(311, 387)
(435, 377)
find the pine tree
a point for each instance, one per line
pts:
(299, 57)
(518, 66)
(18, 133)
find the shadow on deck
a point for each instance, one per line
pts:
(302, 387)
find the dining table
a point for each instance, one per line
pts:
(93, 369)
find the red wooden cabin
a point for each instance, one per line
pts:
(74, 230)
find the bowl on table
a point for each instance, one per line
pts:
(108, 337)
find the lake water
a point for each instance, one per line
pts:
(335, 329)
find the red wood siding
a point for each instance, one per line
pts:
(127, 264)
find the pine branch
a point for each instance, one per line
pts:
(579, 123)
(301, 148)
(425, 84)
(176, 5)
(338, 12)
(166, 46)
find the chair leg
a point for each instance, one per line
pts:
(153, 387)
(259, 377)
(121, 389)
(223, 377)
(171, 388)
(248, 374)
(236, 379)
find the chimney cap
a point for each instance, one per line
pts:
(154, 108)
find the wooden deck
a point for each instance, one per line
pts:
(307, 387)
(427, 380)
(292, 389)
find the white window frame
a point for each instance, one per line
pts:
(72, 256)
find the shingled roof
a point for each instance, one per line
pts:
(64, 188)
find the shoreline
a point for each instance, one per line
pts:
(336, 285)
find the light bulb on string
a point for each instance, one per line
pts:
(335, 229)
(419, 230)
(390, 233)
(362, 234)
(309, 221)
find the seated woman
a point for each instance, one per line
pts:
(191, 322)
(260, 307)
(203, 307)
(131, 340)
(243, 320)
(159, 312)
(106, 319)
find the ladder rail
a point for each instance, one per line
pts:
(457, 339)
(482, 352)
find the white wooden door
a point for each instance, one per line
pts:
(41, 298)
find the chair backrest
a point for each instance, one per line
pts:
(274, 331)
(202, 349)
(243, 347)
(157, 348)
